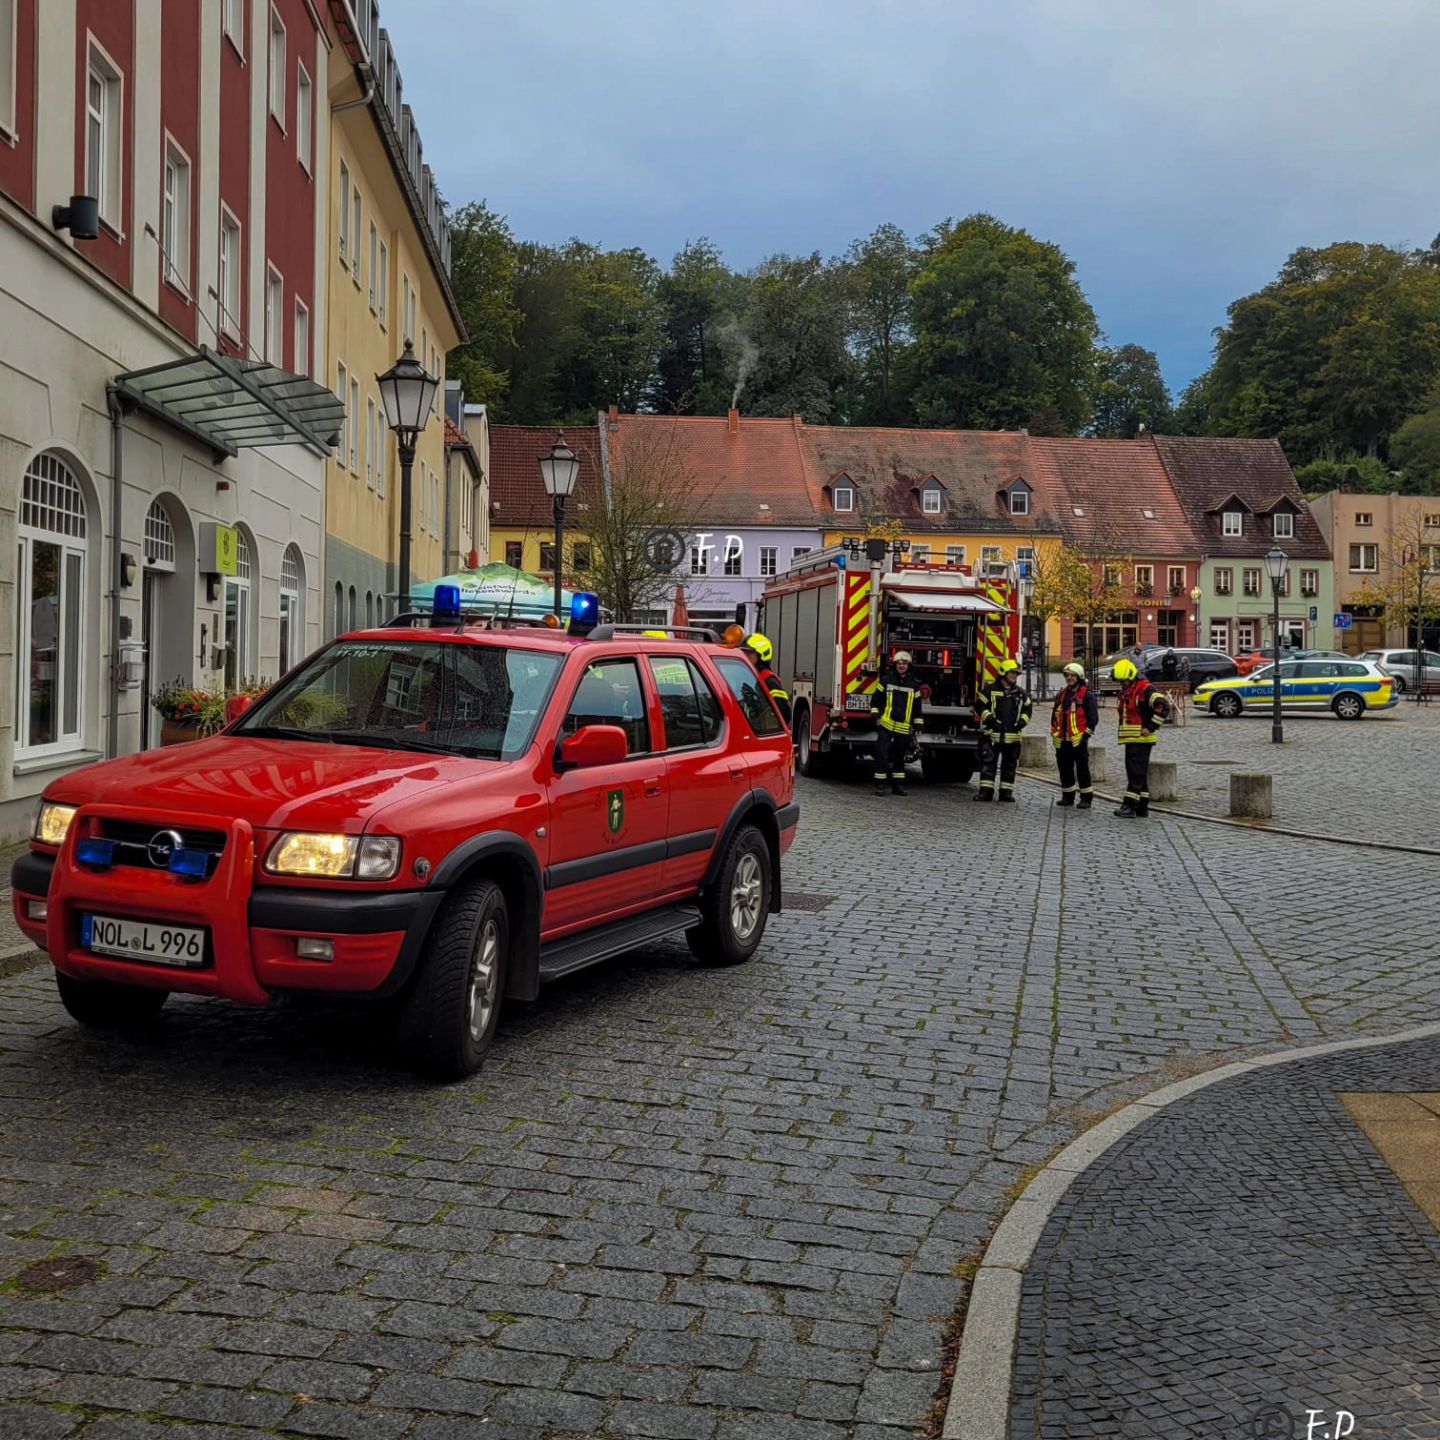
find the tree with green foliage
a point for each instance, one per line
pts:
(1129, 392)
(702, 298)
(1003, 333)
(1360, 474)
(1415, 452)
(796, 328)
(880, 270)
(1332, 355)
(482, 273)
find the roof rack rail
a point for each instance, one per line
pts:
(610, 630)
(491, 619)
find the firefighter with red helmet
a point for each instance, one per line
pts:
(1003, 710)
(1143, 710)
(1073, 720)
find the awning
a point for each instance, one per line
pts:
(947, 604)
(233, 405)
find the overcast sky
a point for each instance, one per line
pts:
(1177, 150)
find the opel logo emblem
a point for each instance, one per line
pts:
(163, 844)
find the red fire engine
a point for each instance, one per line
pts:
(838, 616)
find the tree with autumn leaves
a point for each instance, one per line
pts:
(1406, 589)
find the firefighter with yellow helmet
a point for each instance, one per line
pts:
(1143, 709)
(761, 652)
(1002, 710)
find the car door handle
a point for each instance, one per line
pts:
(736, 771)
(652, 790)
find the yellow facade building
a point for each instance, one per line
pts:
(387, 282)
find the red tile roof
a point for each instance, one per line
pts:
(1114, 493)
(752, 476)
(888, 467)
(1208, 472)
(457, 439)
(517, 493)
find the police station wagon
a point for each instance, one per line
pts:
(1348, 688)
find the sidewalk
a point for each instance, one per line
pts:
(1245, 1257)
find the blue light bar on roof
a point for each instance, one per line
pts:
(585, 608)
(446, 605)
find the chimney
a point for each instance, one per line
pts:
(732, 422)
(612, 419)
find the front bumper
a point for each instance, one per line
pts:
(251, 932)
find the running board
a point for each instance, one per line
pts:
(576, 952)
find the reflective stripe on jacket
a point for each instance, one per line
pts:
(1142, 708)
(896, 704)
(781, 696)
(1075, 715)
(1003, 712)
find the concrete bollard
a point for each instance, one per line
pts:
(1036, 752)
(1251, 795)
(1162, 779)
(1098, 772)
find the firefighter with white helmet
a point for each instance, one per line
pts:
(896, 706)
(1003, 710)
(1074, 719)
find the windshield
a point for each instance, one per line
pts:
(479, 700)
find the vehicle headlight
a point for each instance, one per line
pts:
(52, 822)
(369, 857)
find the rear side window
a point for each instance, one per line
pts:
(692, 710)
(755, 704)
(610, 693)
(1355, 670)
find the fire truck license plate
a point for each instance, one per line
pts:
(142, 940)
(857, 702)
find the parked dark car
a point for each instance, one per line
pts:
(1203, 664)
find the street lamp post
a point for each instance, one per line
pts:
(407, 390)
(1277, 563)
(559, 469)
(1196, 595)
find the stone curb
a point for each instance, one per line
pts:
(1254, 828)
(985, 1364)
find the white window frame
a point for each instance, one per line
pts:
(1144, 576)
(374, 264)
(1373, 556)
(930, 501)
(9, 73)
(355, 428)
(344, 213)
(342, 388)
(232, 22)
(305, 117)
(292, 597)
(241, 585)
(384, 285)
(1246, 632)
(71, 546)
(274, 352)
(1310, 583)
(732, 563)
(1225, 580)
(699, 559)
(1175, 587)
(176, 211)
(1365, 518)
(232, 277)
(1251, 581)
(382, 449)
(848, 504)
(919, 554)
(1284, 526)
(370, 444)
(106, 171)
(357, 210)
(1019, 501)
(302, 365)
(769, 559)
(279, 72)
(1220, 636)
(797, 551)
(954, 554)
(1232, 522)
(991, 555)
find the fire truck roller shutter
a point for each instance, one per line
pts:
(855, 628)
(995, 645)
(807, 623)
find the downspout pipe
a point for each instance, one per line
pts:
(116, 407)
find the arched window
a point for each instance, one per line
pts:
(159, 539)
(369, 609)
(353, 624)
(238, 612)
(292, 611)
(50, 587)
(339, 608)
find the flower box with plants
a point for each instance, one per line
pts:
(188, 712)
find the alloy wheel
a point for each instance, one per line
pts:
(746, 895)
(484, 979)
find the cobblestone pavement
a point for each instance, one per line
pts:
(1246, 1253)
(1331, 777)
(677, 1202)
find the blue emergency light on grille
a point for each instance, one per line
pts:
(194, 863)
(94, 851)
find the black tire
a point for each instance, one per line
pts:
(737, 905)
(1397, 682)
(1227, 707)
(812, 764)
(452, 1009)
(945, 768)
(1349, 706)
(106, 1006)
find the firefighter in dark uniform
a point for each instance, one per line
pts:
(1003, 711)
(761, 651)
(1143, 709)
(1073, 721)
(895, 706)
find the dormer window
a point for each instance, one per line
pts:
(1232, 522)
(1078, 510)
(842, 497)
(930, 501)
(1284, 525)
(1019, 501)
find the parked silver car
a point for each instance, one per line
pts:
(1403, 667)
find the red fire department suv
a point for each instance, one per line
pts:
(441, 817)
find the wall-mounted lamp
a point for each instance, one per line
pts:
(212, 588)
(81, 217)
(128, 567)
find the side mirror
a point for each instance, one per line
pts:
(236, 706)
(593, 745)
